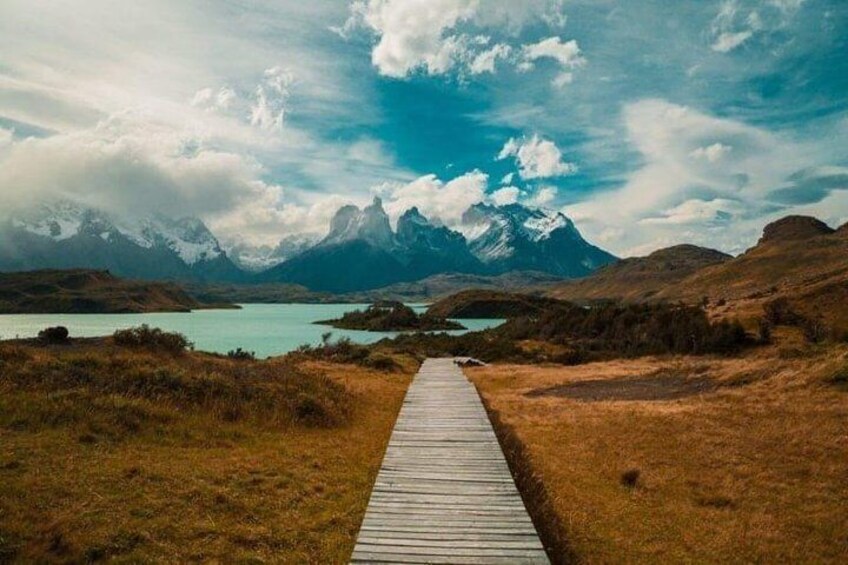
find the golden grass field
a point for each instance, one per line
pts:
(750, 467)
(164, 472)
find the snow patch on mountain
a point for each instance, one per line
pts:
(261, 258)
(370, 224)
(539, 227)
(189, 238)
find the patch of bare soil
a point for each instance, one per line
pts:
(656, 386)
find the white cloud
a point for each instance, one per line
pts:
(438, 36)
(567, 55)
(128, 166)
(712, 153)
(485, 61)
(435, 198)
(536, 158)
(696, 211)
(544, 196)
(679, 185)
(728, 41)
(505, 195)
(739, 21)
(507, 178)
(412, 33)
(6, 137)
(270, 104)
(138, 118)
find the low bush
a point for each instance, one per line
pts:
(55, 334)
(240, 354)
(381, 362)
(342, 350)
(129, 392)
(485, 346)
(145, 337)
(630, 478)
(779, 312)
(631, 330)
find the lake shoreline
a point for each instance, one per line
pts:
(266, 329)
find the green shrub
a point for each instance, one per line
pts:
(240, 354)
(630, 329)
(145, 337)
(381, 362)
(55, 334)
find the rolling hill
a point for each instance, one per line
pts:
(640, 278)
(798, 258)
(87, 292)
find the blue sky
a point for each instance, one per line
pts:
(650, 123)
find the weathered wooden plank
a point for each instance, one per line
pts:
(444, 493)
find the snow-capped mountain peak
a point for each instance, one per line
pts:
(61, 220)
(370, 224)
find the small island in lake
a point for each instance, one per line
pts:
(391, 316)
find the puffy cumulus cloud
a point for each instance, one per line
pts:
(412, 33)
(544, 197)
(129, 168)
(566, 54)
(436, 199)
(438, 36)
(485, 61)
(536, 158)
(738, 21)
(679, 193)
(711, 153)
(505, 195)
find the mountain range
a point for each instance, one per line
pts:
(359, 252)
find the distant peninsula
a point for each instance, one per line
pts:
(391, 316)
(86, 291)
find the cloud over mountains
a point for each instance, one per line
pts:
(652, 125)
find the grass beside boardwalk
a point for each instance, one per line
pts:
(720, 460)
(139, 456)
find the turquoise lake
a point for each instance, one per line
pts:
(267, 329)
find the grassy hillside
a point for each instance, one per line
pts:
(684, 459)
(810, 271)
(640, 278)
(81, 291)
(798, 259)
(140, 455)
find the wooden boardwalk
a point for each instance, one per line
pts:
(444, 493)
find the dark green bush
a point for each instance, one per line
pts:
(780, 313)
(55, 334)
(240, 354)
(631, 329)
(381, 362)
(145, 337)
